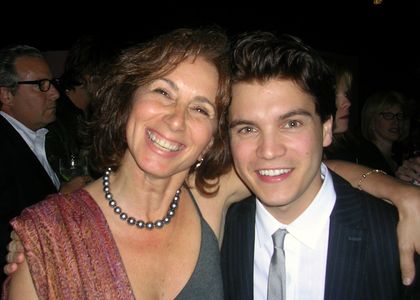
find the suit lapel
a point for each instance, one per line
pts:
(346, 247)
(248, 235)
(238, 250)
(27, 159)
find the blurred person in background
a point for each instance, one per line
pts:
(86, 63)
(384, 124)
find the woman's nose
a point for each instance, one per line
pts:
(176, 118)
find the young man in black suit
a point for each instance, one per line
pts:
(339, 244)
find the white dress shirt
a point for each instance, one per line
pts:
(36, 142)
(305, 246)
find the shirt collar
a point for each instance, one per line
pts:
(27, 134)
(308, 227)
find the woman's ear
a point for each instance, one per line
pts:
(199, 162)
(203, 154)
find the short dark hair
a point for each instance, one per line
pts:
(261, 56)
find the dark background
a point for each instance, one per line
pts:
(380, 41)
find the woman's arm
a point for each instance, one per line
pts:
(405, 197)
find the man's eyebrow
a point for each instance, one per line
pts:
(299, 111)
(240, 122)
(296, 112)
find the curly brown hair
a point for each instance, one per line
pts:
(140, 65)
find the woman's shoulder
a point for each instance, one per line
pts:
(57, 206)
(59, 219)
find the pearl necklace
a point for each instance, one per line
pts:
(132, 221)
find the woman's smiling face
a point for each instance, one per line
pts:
(173, 119)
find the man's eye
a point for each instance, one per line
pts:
(245, 130)
(293, 124)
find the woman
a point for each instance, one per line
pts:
(384, 124)
(344, 80)
(345, 144)
(139, 232)
(159, 112)
(85, 63)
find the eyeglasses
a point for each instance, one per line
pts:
(391, 116)
(44, 85)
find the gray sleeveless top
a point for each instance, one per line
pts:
(206, 280)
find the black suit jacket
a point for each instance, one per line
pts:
(362, 259)
(23, 181)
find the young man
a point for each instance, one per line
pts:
(339, 244)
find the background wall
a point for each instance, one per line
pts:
(56, 59)
(382, 39)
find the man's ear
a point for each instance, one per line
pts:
(6, 96)
(327, 132)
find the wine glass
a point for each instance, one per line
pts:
(73, 166)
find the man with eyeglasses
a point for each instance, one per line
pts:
(43, 84)
(27, 104)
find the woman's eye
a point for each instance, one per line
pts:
(202, 111)
(162, 92)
